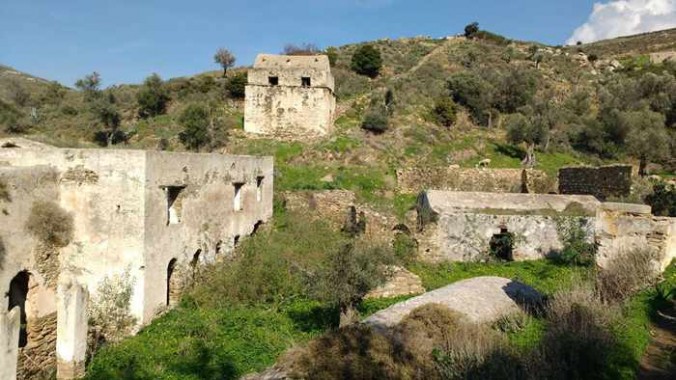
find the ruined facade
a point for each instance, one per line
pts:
(150, 218)
(602, 182)
(290, 96)
(464, 226)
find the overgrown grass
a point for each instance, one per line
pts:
(543, 275)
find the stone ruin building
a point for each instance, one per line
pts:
(290, 96)
(151, 218)
(462, 226)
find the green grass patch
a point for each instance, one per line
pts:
(543, 275)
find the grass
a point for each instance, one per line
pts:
(543, 275)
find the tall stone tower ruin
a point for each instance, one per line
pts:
(290, 96)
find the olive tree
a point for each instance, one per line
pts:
(647, 139)
(195, 122)
(224, 58)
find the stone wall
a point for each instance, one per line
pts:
(288, 108)
(9, 338)
(601, 182)
(415, 180)
(38, 358)
(332, 206)
(626, 227)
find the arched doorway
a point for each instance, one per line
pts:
(172, 286)
(18, 294)
(194, 264)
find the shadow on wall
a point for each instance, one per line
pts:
(528, 299)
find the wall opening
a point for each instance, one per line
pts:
(502, 245)
(256, 227)
(273, 81)
(305, 82)
(219, 245)
(174, 203)
(18, 294)
(194, 263)
(172, 292)
(237, 200)
(235, 241)
(259, 188)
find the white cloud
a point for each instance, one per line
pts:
(625, 17)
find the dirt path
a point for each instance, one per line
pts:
(659, 361)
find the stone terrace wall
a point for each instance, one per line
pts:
(416, 180)
(601, 182)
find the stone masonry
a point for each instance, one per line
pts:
(601, 182)
(290, 96)
(151, 218)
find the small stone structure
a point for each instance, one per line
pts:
(479, 299)
(290, 96)
(602, 182)
(462, 226)
(415, 180)
(401, 283)
(152, 218)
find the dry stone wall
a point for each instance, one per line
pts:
(602, 182)
(415, 180)
(38, 358)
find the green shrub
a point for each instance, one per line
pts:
(577, 248)
(376, 121)
(367, 61)
(195, 122)
(236, 84)
(662, 200)
(445, 111)
(110, 317)
(405, 248)
(50, 224)
(152, 98)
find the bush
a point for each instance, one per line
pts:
(152, 97)
(445, 111)
(577, 248)
(405, 248)
(195, 122)
(663, 199)
(629, 272)
(50, 224)
(236, 85)
(110, 314)
(376, 121)
(367, 61)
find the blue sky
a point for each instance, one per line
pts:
(126, 40)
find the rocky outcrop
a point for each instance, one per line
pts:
(480, 299)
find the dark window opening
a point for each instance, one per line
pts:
(237, 199)
(194, 263)
(18, 294)
(273, 81)
(171, 288)
(305, 81)
(219, 245)
(259, 188)
(502, 245)
(256, 227)
(174, 203)
(235, 242)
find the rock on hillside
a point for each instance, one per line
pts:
(480, 299)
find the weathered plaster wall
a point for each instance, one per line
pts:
(72, 328)
(415, 180)
(602, 182)
(103, 188)
(207, 216)
(466, 236)
(289, 109)
(9, 338)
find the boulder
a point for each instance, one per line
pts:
(480, 299)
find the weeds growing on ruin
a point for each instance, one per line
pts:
(629, 272)
(110, 317)
(577, 248)
(50, 224)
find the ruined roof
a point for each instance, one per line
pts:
(454, 201)
(273, 61)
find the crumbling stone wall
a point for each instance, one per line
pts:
(333, 206)
(602, 182)
(289, 107)
(9, 337)
(38, 358)
(415, 180)
(625, 227)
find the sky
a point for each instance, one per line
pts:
(127, 40)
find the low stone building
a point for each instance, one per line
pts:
(148, 218)
(466, 226)
(290, 96)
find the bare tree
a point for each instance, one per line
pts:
(224, 58)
